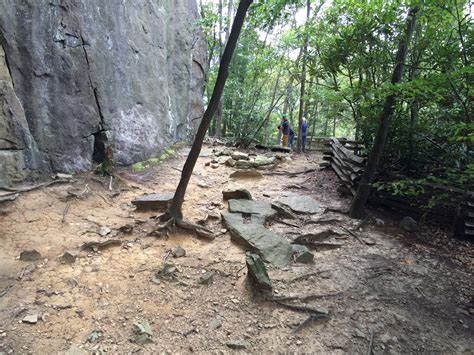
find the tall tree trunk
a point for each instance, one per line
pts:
(357, 209)
(286, 104)
(218, 123)
(303, 82)
(272, 105)
(175, 209)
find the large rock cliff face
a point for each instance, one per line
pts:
(76, 73)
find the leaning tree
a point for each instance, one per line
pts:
(174, 215)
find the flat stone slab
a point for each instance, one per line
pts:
(236, 194)
(154, 201)
(259, 208)
(246, 174)
(255, 237)
(300, 203)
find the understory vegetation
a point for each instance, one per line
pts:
(332, 62)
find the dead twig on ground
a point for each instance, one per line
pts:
(34, 187)
(5, 290)
(167, 254)
(322, 221)
(353, 234)
(9, 197)
(288, 224)
(66, 209)
(421, 292)
(371, 342)
(110, 182)
(305, 276)
(290, 174)
(299, 187)
(104, 198)
(96, 245)
(311, 319)
(306, 298)
(299, 308)
(338, 210)
(14, 193)
(177, 169)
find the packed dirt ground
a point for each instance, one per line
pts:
(403, 293)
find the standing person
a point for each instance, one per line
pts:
(304, 129)
(291, 138)
(285, 130)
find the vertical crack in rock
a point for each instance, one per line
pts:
(93, 88)
(100, 137)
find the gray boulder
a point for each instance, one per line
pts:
(408, 224)
(91, 73)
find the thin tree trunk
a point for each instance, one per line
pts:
(175, 209)
(357, 209)
(272, 105)
(303, 82)
(218, 123)
(285, 106)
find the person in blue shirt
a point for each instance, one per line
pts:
(304, 129)
(291, 139)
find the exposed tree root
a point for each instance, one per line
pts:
(169, 223)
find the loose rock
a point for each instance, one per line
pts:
(243, 164)
(246, 174)
(302, 254)
(104, 230)
(154, 201)
(68, 257)
(216, 323)
(30, 319)
(179, 252)
(230, 162)
(30, 255)
(237, 344)
(206, 278)
(408, 224)
(257, 273)
(143, 333)
(262, 160)
(240, 156)
(236, 194)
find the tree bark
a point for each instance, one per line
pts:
(357, 209)
(175, 209)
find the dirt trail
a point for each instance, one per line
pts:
(412, 292)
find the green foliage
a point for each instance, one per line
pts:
(350, 59)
